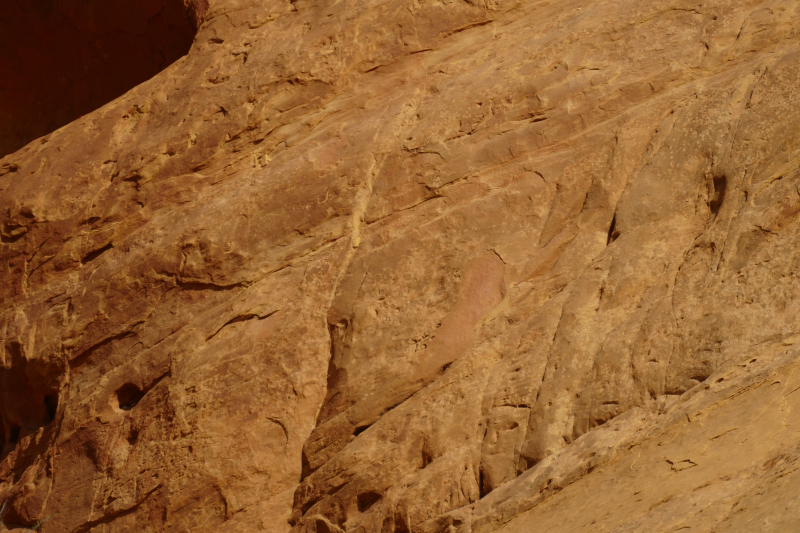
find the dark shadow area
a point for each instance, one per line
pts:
(366, 500)
(61, 59)
(128, 396)
(28, 397)
(719, 184)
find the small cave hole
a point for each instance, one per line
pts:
(133, 436)
(306, 466)
(128, 396)
(51, 406)
(91, 256)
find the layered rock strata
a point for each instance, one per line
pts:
(422, 267)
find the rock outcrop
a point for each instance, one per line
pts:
(416, 267)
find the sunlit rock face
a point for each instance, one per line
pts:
(62, 59)
(416, 267)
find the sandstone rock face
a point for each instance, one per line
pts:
(410, 266)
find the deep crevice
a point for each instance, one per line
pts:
(205, 286)
(717, 194)
(361, 429)
(612, 231)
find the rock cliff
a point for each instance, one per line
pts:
(413, 266)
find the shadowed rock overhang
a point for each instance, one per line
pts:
(62, 59)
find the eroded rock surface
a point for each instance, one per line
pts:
(420, 267)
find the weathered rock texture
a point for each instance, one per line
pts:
(412, 266)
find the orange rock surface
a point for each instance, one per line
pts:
(411, 266)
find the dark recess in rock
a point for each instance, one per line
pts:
(62, 59)
(128, 396)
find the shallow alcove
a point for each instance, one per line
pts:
(62, 59)
(717, 193)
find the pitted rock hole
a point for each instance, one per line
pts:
(62, 59)
(128, 396)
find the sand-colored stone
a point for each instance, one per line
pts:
(412, 266)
